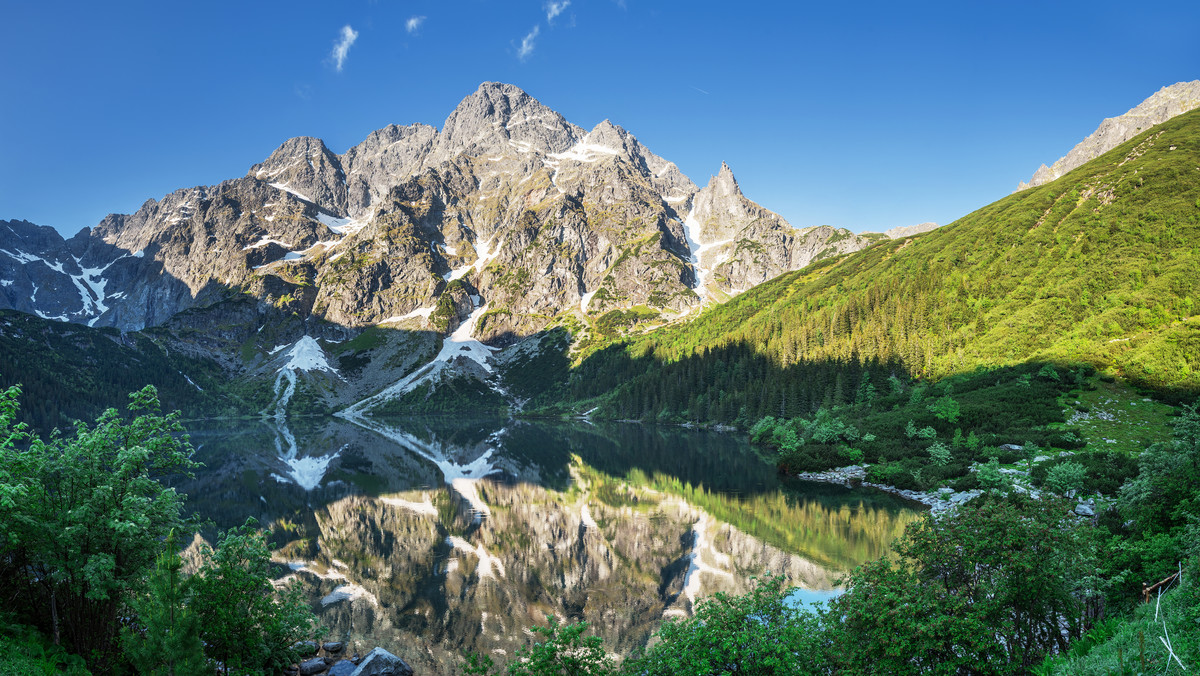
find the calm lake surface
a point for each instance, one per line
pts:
(433, 536)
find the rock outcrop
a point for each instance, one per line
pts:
(1163, 105)
(736, 244)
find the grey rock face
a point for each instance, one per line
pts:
(737, 244)
(76, 280)
(502, 118)
(387, 157)
(380, 662)
(304, 166)
(910, 230)
(1163, 105)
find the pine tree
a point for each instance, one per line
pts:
(167, 641)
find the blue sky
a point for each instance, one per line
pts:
(860, 115)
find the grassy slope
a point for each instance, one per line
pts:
(1099, 266)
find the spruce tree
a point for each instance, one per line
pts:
(166, 641)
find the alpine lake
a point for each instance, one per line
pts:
(435, 536)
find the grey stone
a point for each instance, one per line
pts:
(342, 668)
(305, 648)
(333, 647)
(315, 665)
(380, 662)
(1084, 509)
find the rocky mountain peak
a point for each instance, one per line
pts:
(612, 136)
(1161, 106)
(724, 183)
(908, 230)
(502, 117)
(306, 168)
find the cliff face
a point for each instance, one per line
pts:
(736, 244)
(454, 243)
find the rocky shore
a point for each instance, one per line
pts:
(330, 659)
(853, 476)
(941, 500)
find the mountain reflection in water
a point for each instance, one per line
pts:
(433, 536)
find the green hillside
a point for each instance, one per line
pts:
(1099, 267)
(71, 372)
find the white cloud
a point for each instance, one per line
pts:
(342, 47)
(413, 24)
(527, 45)
(553, 9)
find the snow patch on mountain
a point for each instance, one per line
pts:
(306, 355)
(341, 226)
(419, 312)
(284, 187)
(460, 344)
(691, 232)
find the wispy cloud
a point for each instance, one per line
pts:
(413, 24)
(342, 47)
(527, 45)
(553, 9)
(698, 89)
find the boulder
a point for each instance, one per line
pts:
(380, 662)
(305, 648)
(1084, 509)
(313, 666)
(334, 647)
(342, 668)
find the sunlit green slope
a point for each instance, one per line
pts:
(1101, 266)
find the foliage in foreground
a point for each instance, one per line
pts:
(88, 544)
(84, 518)
(918, 435)
(1003, 582)
(760, 632)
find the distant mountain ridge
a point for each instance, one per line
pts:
(1163, 105)
(434, 271)
(533, 214)
(407, 264)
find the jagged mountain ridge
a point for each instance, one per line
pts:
(1161, 106)
(506, 222)
(534, 214)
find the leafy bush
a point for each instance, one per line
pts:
(989, 589)
(83, 518)
(244, 622)
(761, 632)
(1066, 477)
(27, 652)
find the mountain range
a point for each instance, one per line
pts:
(534, 215)
(509, 242)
